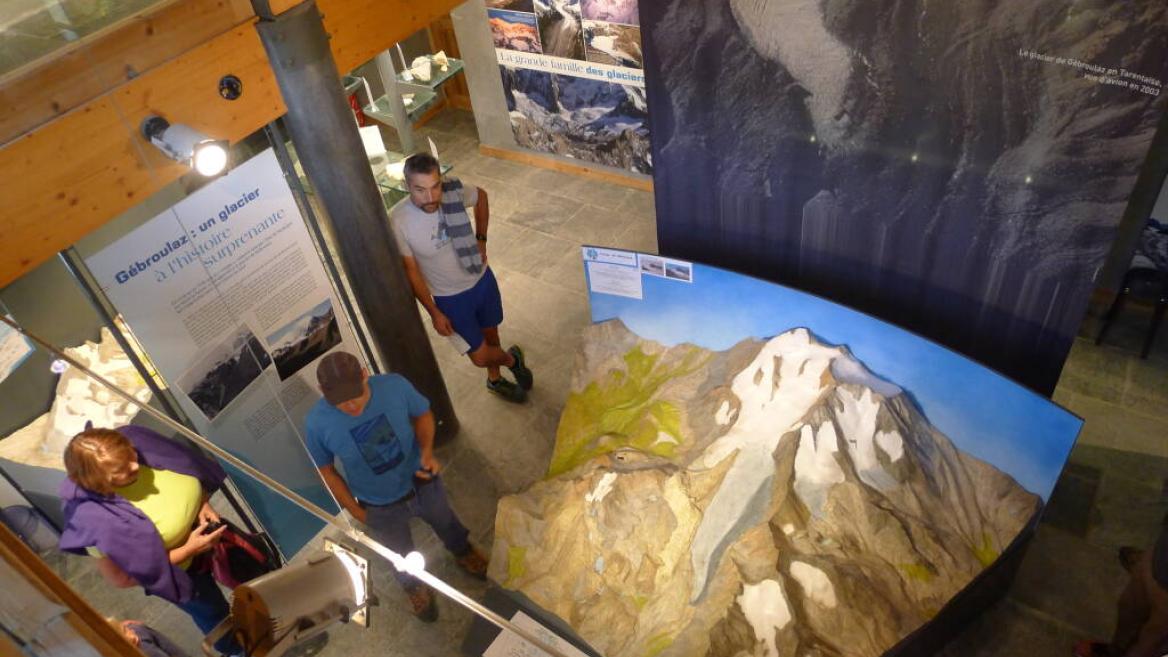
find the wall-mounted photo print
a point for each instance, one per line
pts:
(304, 339)
(514, 30)
(616, 11)
(223, 371)
(511, 5)
(681, 271)
(576, 117)
(652, 265)
(617, 45)
(560, 32)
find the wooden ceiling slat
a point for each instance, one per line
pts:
(87, 166)
(44, 91)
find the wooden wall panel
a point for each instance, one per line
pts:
(87, 166)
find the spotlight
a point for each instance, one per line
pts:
(276, 611)
(185, 144)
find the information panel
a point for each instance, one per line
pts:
(227, 294)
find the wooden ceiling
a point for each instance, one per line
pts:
(72, 158)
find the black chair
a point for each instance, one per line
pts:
(1145, 284)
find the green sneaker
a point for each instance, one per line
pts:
(507, 390)
(522, 375)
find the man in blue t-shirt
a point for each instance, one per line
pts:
(381, 431)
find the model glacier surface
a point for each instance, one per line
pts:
(776, 498)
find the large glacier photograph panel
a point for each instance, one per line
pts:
(579, 117)
(958, 167)
(745, 469)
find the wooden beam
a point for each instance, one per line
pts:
(89, 624)
(89, 165)
(636, 181)
(64, 180)
(362, 28)
(45, 90)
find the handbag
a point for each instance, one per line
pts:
(240, 556)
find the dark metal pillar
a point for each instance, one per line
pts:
(329, 146)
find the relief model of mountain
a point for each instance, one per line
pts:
(772, 499)
(583, 118)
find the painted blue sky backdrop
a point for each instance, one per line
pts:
(982, 412)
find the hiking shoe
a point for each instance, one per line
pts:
(507, 390)
(422, 603)
(522, 375)
(473, 562)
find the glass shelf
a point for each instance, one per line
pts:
(437, 77)
(423, 99)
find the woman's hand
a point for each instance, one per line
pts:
(200, 540)
(207, 514)
(128, 633)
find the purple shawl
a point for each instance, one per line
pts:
(122, 532)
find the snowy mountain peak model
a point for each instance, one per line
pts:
(772, 499)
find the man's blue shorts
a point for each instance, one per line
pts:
(478, 308)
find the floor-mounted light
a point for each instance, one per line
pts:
(274, 612)
(185, 144)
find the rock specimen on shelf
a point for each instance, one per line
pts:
(775, 498)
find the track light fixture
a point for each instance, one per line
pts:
(185, 144)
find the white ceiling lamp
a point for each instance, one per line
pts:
(185, 144)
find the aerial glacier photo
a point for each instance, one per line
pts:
(602, 122)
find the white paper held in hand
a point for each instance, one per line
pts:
(460, 345)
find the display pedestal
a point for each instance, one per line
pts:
(506, 602)
(979, 595)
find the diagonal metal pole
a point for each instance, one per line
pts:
(398, 561)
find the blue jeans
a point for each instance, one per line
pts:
(207, 607)
(389, 524)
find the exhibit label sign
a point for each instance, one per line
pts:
(227, 294)
(573, 78)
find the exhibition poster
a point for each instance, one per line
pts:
(573, 78)
(227, 294)
(962, 173)
(14, 349)
(744, 468)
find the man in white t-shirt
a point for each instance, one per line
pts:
(460, 301)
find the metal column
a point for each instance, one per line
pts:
(328, 144)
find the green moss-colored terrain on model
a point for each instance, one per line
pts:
(621, 411)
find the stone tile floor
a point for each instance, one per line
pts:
(1112, 493)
